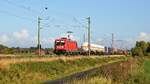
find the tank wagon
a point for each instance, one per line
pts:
(95, 49)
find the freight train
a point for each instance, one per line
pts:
(67, 46)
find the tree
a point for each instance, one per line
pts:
(137, 51)
(143, 45)
(142, 48)
(5, 49)
(148, 48)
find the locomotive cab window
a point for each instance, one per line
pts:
(60, 43)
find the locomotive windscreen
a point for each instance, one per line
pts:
(60, 43)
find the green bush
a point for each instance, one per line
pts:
(137, 51)
(141, 74)
(141, 49)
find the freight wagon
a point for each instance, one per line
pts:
(95, 49)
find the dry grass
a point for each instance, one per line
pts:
(6, 62)
(94, 80)
(37, 72)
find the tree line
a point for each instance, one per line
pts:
(141, 48)
(14, 50)
(5, 50)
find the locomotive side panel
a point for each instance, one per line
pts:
(72, 46)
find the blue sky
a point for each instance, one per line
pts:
(129, 20)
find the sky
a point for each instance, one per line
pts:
(129, 20)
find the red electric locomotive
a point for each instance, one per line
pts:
(65, 46)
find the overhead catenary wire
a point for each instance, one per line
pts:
(76, 20)
(14, 15)
(22, 6)
(36, 12)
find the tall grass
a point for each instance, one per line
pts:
(92, 80)
(141, 73)
(134, 71)
(38, 72)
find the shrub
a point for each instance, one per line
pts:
(137, 51)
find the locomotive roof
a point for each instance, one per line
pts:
(64, 38)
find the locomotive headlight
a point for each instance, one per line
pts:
(62, 41)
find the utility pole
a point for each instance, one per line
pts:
(84, 38)
(39, 44)
(89, 38)
(112, 43)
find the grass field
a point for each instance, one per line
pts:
(35, 72)
(147, 68)
(141, 74)
(138, 73)
(5, 60)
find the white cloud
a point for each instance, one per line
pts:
(20, 38)
(144, 37)
(23, 34)
(4, 38)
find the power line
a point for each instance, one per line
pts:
(22, 6)
(36, 12)
(14, 15)
(76, 20)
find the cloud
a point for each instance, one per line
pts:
(23, 34)
(4, 38)
(144, 37)
(19, 38)
(23, 39)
